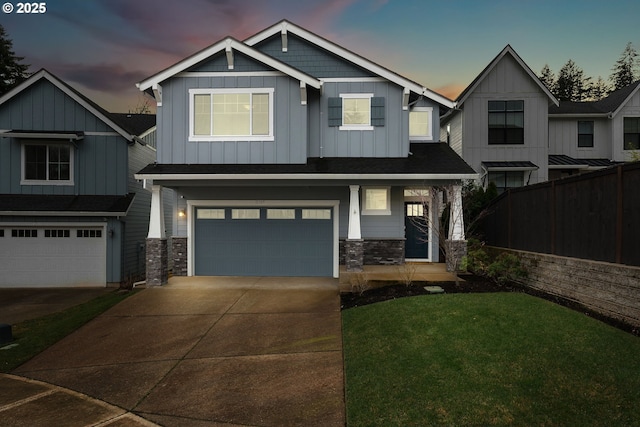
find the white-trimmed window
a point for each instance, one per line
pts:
(231, 114)
(356, 111)
(210, 213)
(281, 214)
(47, 164)
(420, 124)
(376, 201)
(245, 213)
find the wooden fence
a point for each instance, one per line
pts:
(594, 216)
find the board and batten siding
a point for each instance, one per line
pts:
(631, 109)
(100, 161)
(290, 124)
(390, 140)
(563, 138)
(507, 81)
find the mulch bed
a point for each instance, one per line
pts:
(383, 291)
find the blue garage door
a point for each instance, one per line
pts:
(263, 241)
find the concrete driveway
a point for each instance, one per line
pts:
(211, 352)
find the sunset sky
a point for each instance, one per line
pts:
(103, 47)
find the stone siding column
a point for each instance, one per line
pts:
(179, 251)
(354, 254)
(157, 272)
(456, 250)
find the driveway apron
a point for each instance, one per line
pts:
(211, 351)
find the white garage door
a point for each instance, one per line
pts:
(52, 256)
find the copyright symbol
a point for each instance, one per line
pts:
(7, 8)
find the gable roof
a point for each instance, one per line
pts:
(508, 50)
(135, 124)
(605, 107)
(85, 102)
(285, 26)
(227, 44)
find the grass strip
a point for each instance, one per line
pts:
(498, 359)
(35, 335)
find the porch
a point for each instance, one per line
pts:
(415, 271)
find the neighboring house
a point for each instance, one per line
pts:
(290, 155)
(500, 123)
(591, 135)
(71, 211)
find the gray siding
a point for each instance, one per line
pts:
(290, 124)
(390, 140)
(310, 58)
(507, 81)
(563, 138)
(631, 109)
(218, 63)
(100, 161)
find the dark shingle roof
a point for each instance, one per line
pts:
(135, 124)
(604, 106)
(510, 164)
(436, 158)
(62, 203)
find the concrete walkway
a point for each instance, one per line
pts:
(197, 352)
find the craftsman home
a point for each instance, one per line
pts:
(71, 212)
(290, 155)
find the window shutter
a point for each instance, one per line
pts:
(335, 111)
(377, 111)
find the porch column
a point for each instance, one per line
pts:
(456, 245)
(157, 251)
(354, 246)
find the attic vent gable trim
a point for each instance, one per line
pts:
(229, 53)
(284, 38)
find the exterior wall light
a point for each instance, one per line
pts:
(182, 213)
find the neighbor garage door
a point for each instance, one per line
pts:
(263, 241)
(52, 256)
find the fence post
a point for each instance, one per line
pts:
(509, 218)
(619, 216)
(552, 210)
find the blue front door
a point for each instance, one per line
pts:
(416, 228)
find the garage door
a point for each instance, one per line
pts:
(52, 256)
(263, 242)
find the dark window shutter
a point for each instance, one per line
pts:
(335, 111)
(377, 111)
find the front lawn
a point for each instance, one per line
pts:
(487, 359)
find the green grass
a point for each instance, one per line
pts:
(34, 336)
(487, 359)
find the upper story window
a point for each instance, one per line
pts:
(585, 134)
(50, 164)
(420, 127)
(632, 133)
(356, 111)
(506, 122)
(231, 114)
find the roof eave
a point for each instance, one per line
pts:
(306, 176)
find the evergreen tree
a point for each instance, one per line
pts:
(598, 89)
(547, 77)
(571, 84)
(625, 71)
(12, 72)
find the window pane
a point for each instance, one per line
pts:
(35, 158)
(632, 141)
(316, 213)
(231, 114)
(210, 214)
(281, 214)
(497, 106)
(419, 123)
(585, 140)
(202, 114)
(376, 199)
(260, 114)
(585, 127)
(245, 213)
(632, 125)
(515, 105)
(357, 111)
